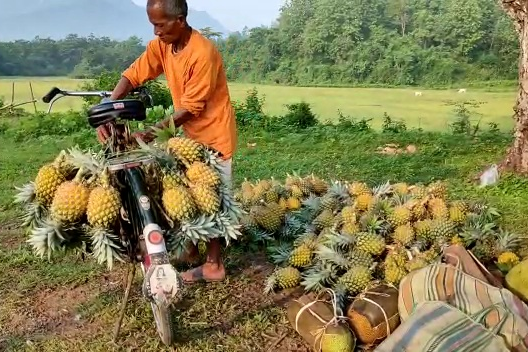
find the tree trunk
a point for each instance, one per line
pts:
(517, 156)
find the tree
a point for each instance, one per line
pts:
(517, 156)
(209, 33)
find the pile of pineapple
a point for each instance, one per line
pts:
(346, 235)
(75, 202)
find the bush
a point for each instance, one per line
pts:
(299, 116)
(54, 124)
(249, 112)
(108, 80)
(393, 126)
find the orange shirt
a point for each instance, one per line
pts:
(198, 83)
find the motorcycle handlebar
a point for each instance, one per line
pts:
(56, 93)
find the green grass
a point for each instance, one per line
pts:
(429, 111)
(78, 302)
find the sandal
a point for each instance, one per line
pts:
(197, 276)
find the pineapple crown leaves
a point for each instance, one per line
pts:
(106, 247)
(48, 237)
(33, 215)
(382, 189)
(229, 205)
(88, 160)
(330, 254)
(510, 242)
(25, 194)
(271, 283)
(318, 276)
(162, 135)
(339, 190)
(202, 228)
(338, 240)
(176, 244)
(226, 228)
(280, 253)
(163, 158)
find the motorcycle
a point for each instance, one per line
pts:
(144, 239)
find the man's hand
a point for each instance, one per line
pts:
(103, 134)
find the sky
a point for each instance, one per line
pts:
(235, 14)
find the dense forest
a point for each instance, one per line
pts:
(393, 42)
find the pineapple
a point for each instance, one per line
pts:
(418, 192)
(284, 278)
(206, 199)
(328, 202)
(401, 189)
(438, 189)
(358, 188)
(401, 215)
(404, 234)
(509, 242)
(394, 272)
(457, 241)
(461, 205)
(71, 200)
(104, 203)
(356, 279)
(200, 173)
(185, 149)
(318, 185)
(170, 180)
(295, 191)
(324, 220)
(301, 256)
(357, 257)
(438, 208)
(484, 249)
(179, 204)
(349, 215)
(48, 179)
(423, 228)
(416, 263)
(293, 203)
(456, 215)
(283, 203)
(269, 216)
(350, 228)
(507, 260)
(272, 195)
(342, 342)
(370, 243)
(441, 230)
(364, 202)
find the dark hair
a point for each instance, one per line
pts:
(172, 8)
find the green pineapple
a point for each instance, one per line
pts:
(324, 220)
(283, 278)
(403, 234)
(370, 243)
(356, 279)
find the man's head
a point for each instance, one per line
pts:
(169, 18)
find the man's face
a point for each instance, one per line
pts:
(168, 29)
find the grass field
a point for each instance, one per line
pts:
(71, 305)
(428, 111)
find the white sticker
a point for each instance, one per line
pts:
(144, 202)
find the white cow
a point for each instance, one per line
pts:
(417, 94)
(462, 90)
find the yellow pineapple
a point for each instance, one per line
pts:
(283, 203)
(318, 185)
(71, 200)
(457, 241)
(350, 228)
(170, 180)
(404, 234)
(438, 208)
(179, 204)
(48, 179)
(423, 228)
(438, 189)
(401, 188)
(507, 260)
(401, 215)
(201, 173)
(324, 220)
(370, 243)
(461, 205)
(418, 192)
(356, 279)
(269, 216)
(104, 203)
(364, 202)
(185, 149)
(357, 188)
(301, 256)
(293, 203)
(206, 199)
(288, 277)
(349, 215)
(456, 215)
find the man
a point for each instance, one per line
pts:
(198, 85)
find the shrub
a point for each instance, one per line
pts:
(393, 126)
(299, 116)
(250, 112)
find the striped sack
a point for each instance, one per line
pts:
(439, 327)
(448, 283)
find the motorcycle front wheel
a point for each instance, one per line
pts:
(163, 317)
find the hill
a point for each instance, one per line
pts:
(117, 19)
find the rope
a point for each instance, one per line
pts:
(318, 334)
